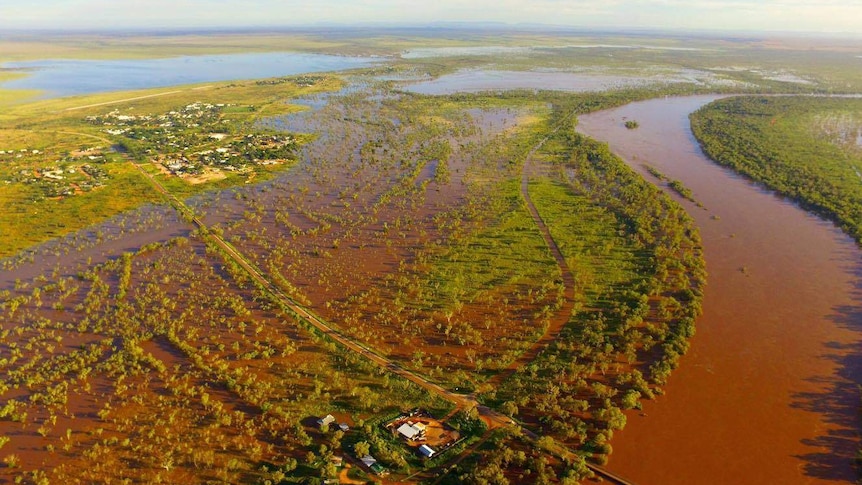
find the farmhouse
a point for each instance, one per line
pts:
(412, 431)
(422, 432)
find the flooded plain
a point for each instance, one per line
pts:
(584, 80)
(768, 392)
(68, 77)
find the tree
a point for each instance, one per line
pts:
(362, 448)
(509, 408)
(329, 471)
(631, 399)
(335, 439)
(289, 465)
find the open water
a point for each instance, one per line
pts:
(58, 78)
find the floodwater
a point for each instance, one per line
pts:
(428, 52)
(480, 80)
(500, 50)
(768, 392)
(470, 80)
(59, 78)
(94, 245)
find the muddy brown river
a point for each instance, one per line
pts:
(768, 392)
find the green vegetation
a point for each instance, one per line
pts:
(805, 148)
(637, 260)
(683, 192)
(655, 172)
(632, 124)
(675, 185)
(507, 459)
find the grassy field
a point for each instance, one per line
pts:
(11, 96)
(806, 148)
(639, 274)
(599, 255)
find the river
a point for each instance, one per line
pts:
(768, 393)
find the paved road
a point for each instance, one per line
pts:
(106, 103)
(136, 98)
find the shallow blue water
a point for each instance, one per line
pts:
(59, 78)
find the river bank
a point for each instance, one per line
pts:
(767, 393)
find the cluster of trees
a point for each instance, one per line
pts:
(508, 460)
(683, 191)
(777, 141)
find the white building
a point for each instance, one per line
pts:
(412, 431)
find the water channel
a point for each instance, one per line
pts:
(768, 392)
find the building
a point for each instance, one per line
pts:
(326, 421)
(344, 427)
(368, 461)
(412, 431)
(426, 451)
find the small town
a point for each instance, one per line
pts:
(196, 142)
(74, 173)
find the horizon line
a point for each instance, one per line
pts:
(467, 26)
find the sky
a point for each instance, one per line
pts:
(817, 16)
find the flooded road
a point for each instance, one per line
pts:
(768, 392)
